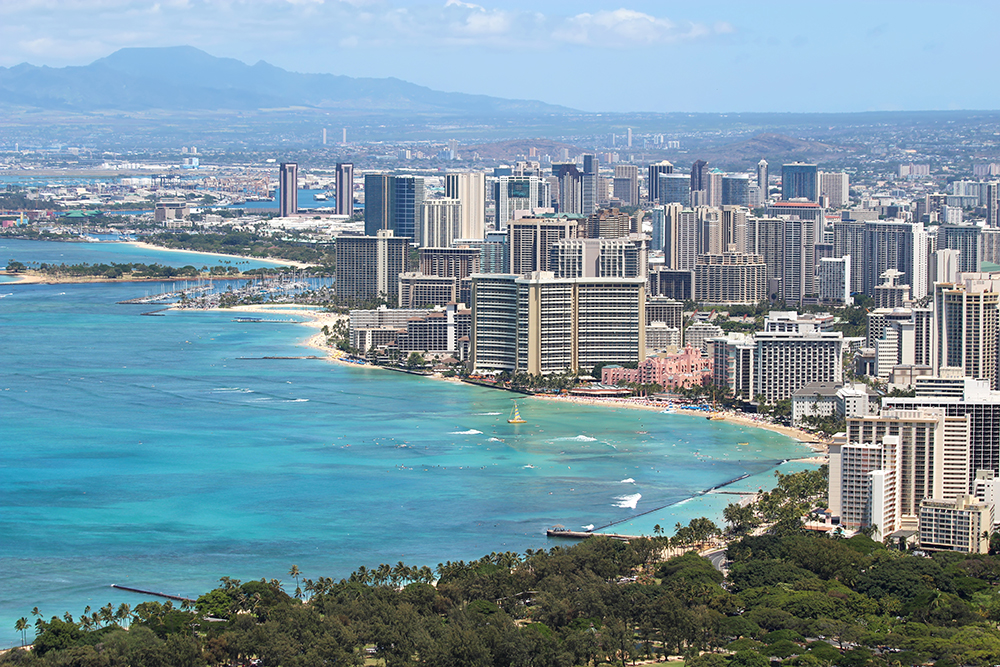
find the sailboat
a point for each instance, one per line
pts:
(515, 416)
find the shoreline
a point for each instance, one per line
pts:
(819, 446)
(283, 262)
(317, 319)
(34, 279)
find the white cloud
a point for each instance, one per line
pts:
(60, 32)
(623, 28)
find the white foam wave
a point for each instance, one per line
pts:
(298, 400)
(588, 527)
(627, 480)
(484, 414)
(471, 431)
(629, 501)
(236, 390)
(580, 438)
(495, 440)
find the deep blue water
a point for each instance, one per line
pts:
(164, 452)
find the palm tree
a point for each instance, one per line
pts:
(107, 614)
(124, 613)
(294, 573)
(22, 626)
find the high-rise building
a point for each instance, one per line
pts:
(762, 179)
(680, 248)
(494, 255)
(834, 280)
(836, 187)
(960, 524)
(408, 197)
(735, 190)
(799, 180)
(734, 229)
(849, 240)
(959, 396)
(419, 290)
(572, 324)
(891, 294)
(345, 186)
(440, 222)
(967, 240)
(599, 258)
(608, 224)
(288, 184)
(494, 322)
(666, 311)
(470, 189)
(713, 188)
(732, 363)
(541, 324)
(658, 222)
(626, 184)
(895, 245)
(459, 262)
(786, 362)
(519, 193)
(932, 460)
(590, 176)
(698, 171)
(990, 197)
(798, 265)
(379, 191)
(653, 172)
(731, 278)
(766, 237)
(967, 322)
(670, 283)
(570, 187)
(674, 189)
(368, 267)
(530, 241)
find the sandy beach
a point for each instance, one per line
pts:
(285, 262)
(814, 441)
(30, 277)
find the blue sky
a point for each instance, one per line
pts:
(631, 55)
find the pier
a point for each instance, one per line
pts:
(579, 535)
(168, 297)
(153, 593)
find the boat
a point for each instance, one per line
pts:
(742, 443)
(515, 416)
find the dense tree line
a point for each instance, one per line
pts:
(250, 244)
(114, 270)
(799, 597)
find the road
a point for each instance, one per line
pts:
(717, 558)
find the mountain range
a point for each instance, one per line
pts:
(186, 79)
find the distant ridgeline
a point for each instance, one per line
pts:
(802, 597)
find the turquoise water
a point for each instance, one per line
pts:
(54, 252)
(164, 453)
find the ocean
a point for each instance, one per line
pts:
(166, 452)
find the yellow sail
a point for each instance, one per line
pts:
(515, 416)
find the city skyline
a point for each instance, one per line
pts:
(458, 47)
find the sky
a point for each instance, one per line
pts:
(592, 55)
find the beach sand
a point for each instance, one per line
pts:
(815, 442)
(285, 262)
